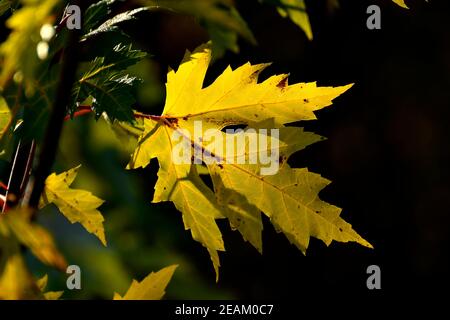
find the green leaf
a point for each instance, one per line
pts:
(296, 11)
(111, 24)
(113, 95)
(6, 130)
(16, 281)
(123, 56)
(75, 204)
(224, 38)
(151, 288)
(109, 85)
(243, 216)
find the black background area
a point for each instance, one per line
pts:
(387, 151)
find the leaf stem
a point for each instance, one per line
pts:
(138, 115)
(82, 110)
(78, 114)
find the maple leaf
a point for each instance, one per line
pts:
(76, 205)
(401, 3)
(182, 185)
(110, 24)
(5, 5)
(95, 13)
(49, 295)
(16, 282)
(109, 85)
(151, 287)
(33, 236)
(289, 198)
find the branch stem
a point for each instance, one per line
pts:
(55, 124)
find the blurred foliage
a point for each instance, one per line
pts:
(219, 17)
(141, 236)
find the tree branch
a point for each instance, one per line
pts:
(54, 128)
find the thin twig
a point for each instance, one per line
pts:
(19, 174)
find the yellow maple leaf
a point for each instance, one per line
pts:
(33, 236)
(49, 295)
(151, 288)
(401, 3)
(288, 197)
(75, 204)
(16, 282)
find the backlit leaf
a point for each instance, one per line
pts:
(49, 295)
(401, 3)
(34, 237)
(75, 204)
(151, 287)
(111, 24)
(289, 196)
(110, 87)
(16, 282)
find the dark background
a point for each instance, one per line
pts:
(387, 154)
(387, 151)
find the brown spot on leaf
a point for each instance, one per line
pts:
(283, 83)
